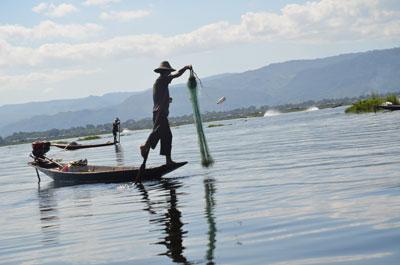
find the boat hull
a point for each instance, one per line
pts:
(79, 146)
(103, 174)
(388, 107)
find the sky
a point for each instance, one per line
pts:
(73, 49)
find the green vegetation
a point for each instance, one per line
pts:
(252, 111)
(369, 105)
(87, 138)
(217, 125)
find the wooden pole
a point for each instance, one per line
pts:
(119, 133)
(37, 172)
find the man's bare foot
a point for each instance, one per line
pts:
(169, 161)
(144, 151)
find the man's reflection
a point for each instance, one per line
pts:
(171, 221)
(120, 154)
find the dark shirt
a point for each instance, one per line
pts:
(115, 127)
(161, 94)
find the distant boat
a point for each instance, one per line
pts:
(388, 107)
(101, 174)
(74, 145)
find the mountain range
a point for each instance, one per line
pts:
(346, 75)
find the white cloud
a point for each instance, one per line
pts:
(54, 10)
(124, 16)
(98, 2)
(49, 29)
(48, 90)
(60, 10)
(40, 7)
(327, 20)
(10, 82)
(313, 22)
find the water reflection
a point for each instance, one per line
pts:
(119, 154)
(146, 199)
(170, 221)
(48, 209)
(210, 190)
(48, 216)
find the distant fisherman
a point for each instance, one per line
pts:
(161, 129)
(116, 129)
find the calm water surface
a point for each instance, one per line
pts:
(316, 187)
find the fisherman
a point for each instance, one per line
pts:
(116, 129)
(161, 130)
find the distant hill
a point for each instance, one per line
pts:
(22, 117)
(347, 75)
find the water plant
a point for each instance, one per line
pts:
(217, 125)
(87, 138)
(369, 105)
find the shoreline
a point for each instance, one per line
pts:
(176, 124)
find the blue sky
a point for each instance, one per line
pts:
(72, 49)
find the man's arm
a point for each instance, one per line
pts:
(181, 71)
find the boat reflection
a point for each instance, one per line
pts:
(119, 154)
(48, 209)
(48, 216)
(164, 210)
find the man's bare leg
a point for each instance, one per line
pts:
(168, 160)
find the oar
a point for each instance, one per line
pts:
(44, 160)
(141, 171)
(67, 146)
(51, 160)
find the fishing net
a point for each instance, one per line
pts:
(206, 159)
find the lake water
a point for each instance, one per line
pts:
(313, 187)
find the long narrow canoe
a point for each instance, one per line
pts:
(389, 107)
(102, 174)
(74, 146)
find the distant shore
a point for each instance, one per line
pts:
(147, 123)
(174, 122)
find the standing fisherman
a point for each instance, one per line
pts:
(161, 130)
(116, 129)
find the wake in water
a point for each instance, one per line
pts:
(271, 112)
(312, 108)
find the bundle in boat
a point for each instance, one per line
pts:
(206, 159)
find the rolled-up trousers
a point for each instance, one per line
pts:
(161, 132)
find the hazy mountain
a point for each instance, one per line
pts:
(297, 81)
(15, 112)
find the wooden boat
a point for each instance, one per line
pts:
(74, 146)
(101, 174)
(389, 107)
